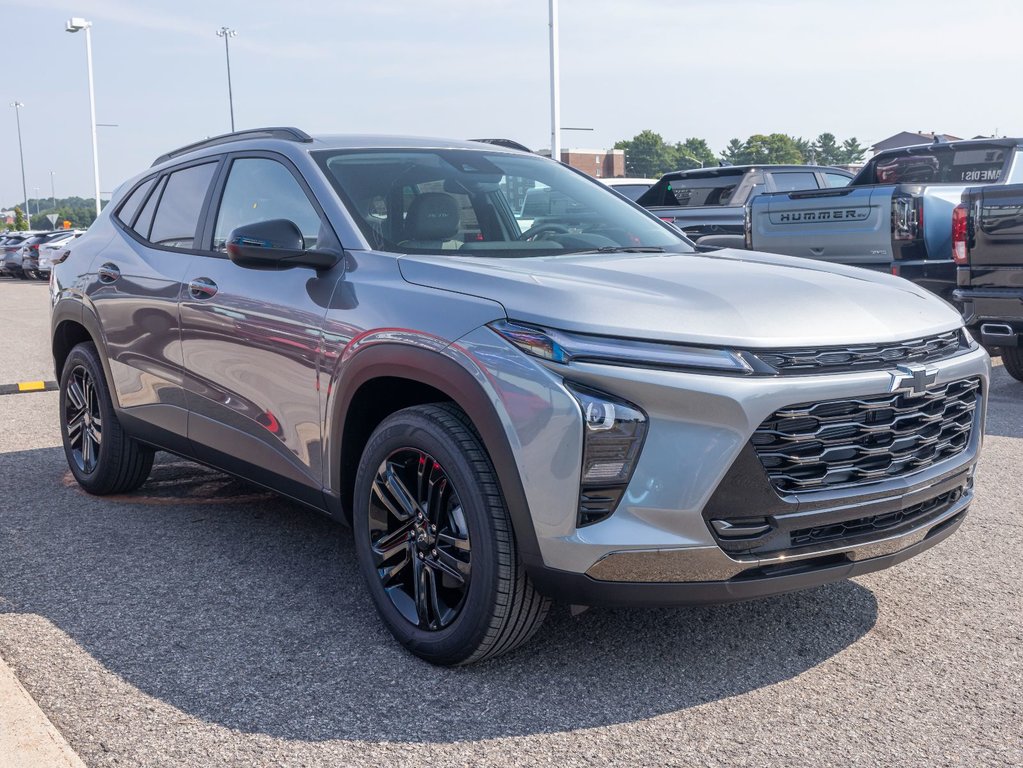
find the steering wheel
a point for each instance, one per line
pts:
(541, 229)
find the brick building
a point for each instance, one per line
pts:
(599, 163)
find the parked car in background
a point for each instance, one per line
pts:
(585, 408)
(51, 251)
(29, 251)
(710, 202)
(987, 247)
(631, 188)
(12, 244)
(895, 216)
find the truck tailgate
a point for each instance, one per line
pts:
(851, 225)
(996, 255)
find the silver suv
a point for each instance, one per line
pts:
(509, 406)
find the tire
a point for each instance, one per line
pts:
(113, 463)
(1012, 359)
(459, 524)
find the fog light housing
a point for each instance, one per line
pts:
(613, 435)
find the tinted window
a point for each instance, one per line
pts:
(837, 180)
(146, 217)
(942, 164)
(131, 206)
(259, 189)
(177, 216)
(693, 191)
(631, 191)
(790, 181)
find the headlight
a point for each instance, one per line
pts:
(567, 347)
(967, 341)
(613, 434)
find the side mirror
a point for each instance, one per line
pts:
(275, 244)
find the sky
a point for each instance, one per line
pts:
(714, 69)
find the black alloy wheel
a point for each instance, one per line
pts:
(83, 419)
(419, 539)
(102, 457)
(435, 542)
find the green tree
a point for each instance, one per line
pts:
(733, 152)
(647, 155)
(20, 222)
(852, 152)
(827, 150)
(776, 148)
(806, 150)
(694, 153)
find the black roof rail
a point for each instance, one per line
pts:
(279, 132)
(506, 143)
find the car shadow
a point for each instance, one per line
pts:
(248, 611)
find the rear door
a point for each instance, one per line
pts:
(134, 285)
(251, 339)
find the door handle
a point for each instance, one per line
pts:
(108, 272)
(202, 288)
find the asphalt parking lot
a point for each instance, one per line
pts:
(204, 622)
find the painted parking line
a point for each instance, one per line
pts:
(28, 386)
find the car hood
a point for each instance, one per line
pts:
(725, 297)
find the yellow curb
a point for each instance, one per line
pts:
(27, 737)
(31, 386)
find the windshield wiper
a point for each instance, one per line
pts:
(629, 249)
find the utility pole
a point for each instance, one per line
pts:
(555, 88)
(21, 152)
(227, 33)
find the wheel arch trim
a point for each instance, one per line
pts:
(439, 371)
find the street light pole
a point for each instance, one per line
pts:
(76, 25)
(555, 87)
(21, 152)
(53, 194)
(226, 33)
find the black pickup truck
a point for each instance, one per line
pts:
(987, 247)
(710, 202)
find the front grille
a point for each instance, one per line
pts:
(837, 443)
(865, 526)
(863, 357)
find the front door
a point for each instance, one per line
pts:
(251, 339)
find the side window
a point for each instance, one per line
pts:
(837, 180)
(177, 216)
(145, 219)
(790, 181)
(131, 206)
(260, 189)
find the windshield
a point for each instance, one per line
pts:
(464, 202)
(941, 164)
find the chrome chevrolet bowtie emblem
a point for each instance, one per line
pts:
(912, 378)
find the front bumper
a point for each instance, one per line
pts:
(584, 589)
(659, 546)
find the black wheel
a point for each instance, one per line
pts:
(102, 457)
(1012, 359)
(435, 543)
